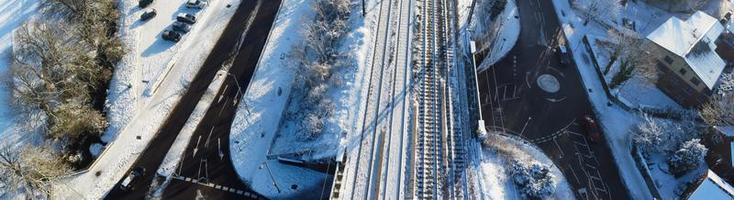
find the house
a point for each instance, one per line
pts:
(720, 157)
(709, 186)
(685, 54)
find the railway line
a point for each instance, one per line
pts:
(407, 145)
(440, 150)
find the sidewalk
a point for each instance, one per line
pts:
(614, 119)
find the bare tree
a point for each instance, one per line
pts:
(628, 49)
(601, 11)
(31, 169)
(718, 111)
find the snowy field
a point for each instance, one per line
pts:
(495, 176)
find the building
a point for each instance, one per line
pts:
(685, 53)
(709, 186)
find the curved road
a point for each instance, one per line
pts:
(217, 120)
(512, 100)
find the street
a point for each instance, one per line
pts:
(529, 93)
(218, 119)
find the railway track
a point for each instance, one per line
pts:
(439, 149)
(407, 145)
(374, 167)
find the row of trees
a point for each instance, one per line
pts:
(61, 64)
(317, 59)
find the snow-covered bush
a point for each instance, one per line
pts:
(648, 134)
(534, 181)
(688, 157)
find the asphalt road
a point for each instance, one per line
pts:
(211, 162)
(512, 100)
(246, 58)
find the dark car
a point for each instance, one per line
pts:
(144, 3)
(186, 18)
(171, 35)
(592, 129)
(148, 14)
(132, 178)
(181, 27)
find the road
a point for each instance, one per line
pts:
(221, 171)
(512, 100)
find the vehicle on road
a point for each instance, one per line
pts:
(564, 55)
(171, 35)
(144, 3)
(148, 14)
(186, 18)
(132, 178)
(198, 4)
(181, 27)
(592, 129)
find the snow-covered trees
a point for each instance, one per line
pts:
(534, 181)
(719, 111)
(687, 157)
(648, 134)
(62, 62)
(317, 59)
(31, 170)
(602, 11)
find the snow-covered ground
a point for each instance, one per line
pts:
(13, 13)
(134, 113)
(668, 185)
(509, 33)
(258, 130)
(259, 115)
(495, 176)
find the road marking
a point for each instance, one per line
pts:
(219, 148)
(196, 148)
(208, 137)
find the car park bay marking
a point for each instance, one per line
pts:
(216, 186)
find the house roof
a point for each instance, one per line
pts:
(726, 130)
(694, 41)
(713, 187)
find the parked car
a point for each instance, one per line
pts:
(592, 129)
(199, 4)
(171, 35)
(186, 18)
(181, 27)
(148, 14)
(144, 3)
(132, 178)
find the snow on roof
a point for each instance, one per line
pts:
(694, 40)
(713, 187)
(726, 130)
